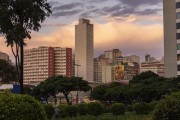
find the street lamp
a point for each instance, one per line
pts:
(77, 65)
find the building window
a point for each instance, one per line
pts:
(178, 5)
(178, 15)
(178, 35)
(178, 67)
(178, 57)
(177, 25)
(178, 46)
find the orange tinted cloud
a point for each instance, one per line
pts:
(129, 37)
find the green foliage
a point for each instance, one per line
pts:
(168, 108)
(71, 111)
(53, 85)
(23, 17)
(129, 108)
(109, 116)
(153, 104)
(141, 108)
(49, 109)
(82, 109)
(62, 109)
(95, 109)
(7, 72)
(143, 76)
(118, 109)
(106, 108)
(20, 107)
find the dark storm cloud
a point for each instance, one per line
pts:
(67, 6)
(128, 7)
(136, 3)
(148, 11)
(112, 9)
(96, 1)
(66, 13)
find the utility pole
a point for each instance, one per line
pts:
(77, 86)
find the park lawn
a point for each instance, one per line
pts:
(109, 116)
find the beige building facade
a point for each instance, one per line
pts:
(171, 10)
(112, 55)
(131, 59)
(156, 66)
(84, 49)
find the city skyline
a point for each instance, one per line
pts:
(120, 25)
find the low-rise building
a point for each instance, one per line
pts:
(156, 66)
(119, 72)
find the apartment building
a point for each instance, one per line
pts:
(43, 62)
(171, 10)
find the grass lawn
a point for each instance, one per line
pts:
(109, 116)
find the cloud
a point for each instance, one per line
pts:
(136, 3)
(130, 38)
(66, 13)
(67, 6)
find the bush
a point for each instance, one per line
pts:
(20, 107)
(106, 108)
(141, 108)
(95, 109)
(129, 108)
(62, 109)
(168, 109)
(118, 109)
(82, 109)
(71, 111)
(49, 110)
(153, 104)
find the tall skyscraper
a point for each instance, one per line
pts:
(171, 37)
(43, 62)
(84, 49)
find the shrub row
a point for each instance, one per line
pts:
(94, 109)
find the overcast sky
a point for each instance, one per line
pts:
(133, 26)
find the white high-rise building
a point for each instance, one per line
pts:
(84, 49)
(172, 37)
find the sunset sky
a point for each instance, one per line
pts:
(133, 26)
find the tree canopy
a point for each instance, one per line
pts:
(143, 76)
(7, 72)
(147, 90)
(17, 19)
(56, 84)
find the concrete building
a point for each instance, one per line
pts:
(131, 59)
(119, 72)
(84, 49)
(4, 56)
(112, 55)
(156, 66)
(171, 37)
(43, 62)
(99, 62)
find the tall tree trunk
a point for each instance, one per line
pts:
(21, 66)
(67, 99)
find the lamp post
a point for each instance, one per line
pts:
(77, 65)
